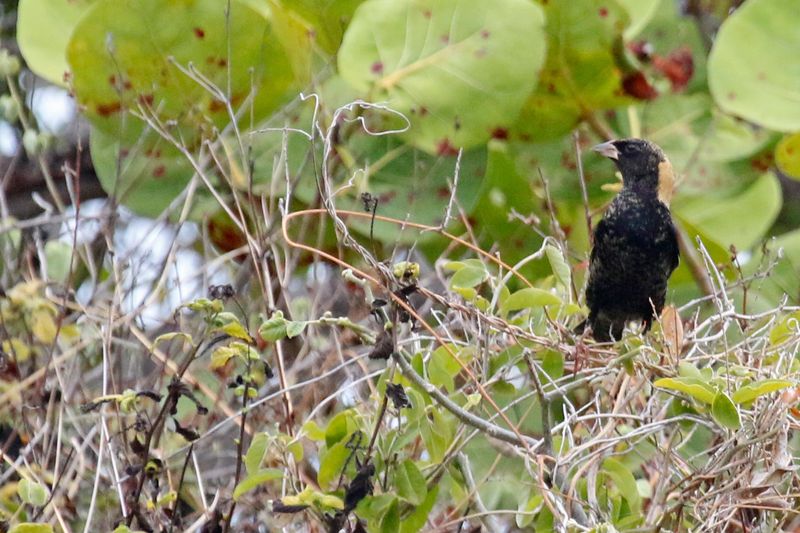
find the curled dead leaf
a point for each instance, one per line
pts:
(672, 328)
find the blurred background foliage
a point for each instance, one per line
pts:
(421, 98)
(714, 83)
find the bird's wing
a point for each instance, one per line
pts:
(599, 237)
(674, 250)
(599, 243)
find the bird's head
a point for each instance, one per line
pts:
(643, 166)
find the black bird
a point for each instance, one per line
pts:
(635, 246)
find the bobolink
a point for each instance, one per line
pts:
(635, 246)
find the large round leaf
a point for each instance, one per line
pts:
(640, 12)
(328, 17)
(458, 69)
(581, 74)
(43, 30)
(125, 54)
(740, 220)
(754, 67)
(144, 177)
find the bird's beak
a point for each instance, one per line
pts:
(607, 149)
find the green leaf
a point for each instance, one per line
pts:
(624, 481)
(221, 356)
(434, 437)
(313, 431)
(756, 209)
(390, 523)
(329, 500)
(43, 326)
(754, 390)
(688, 370)
(753, 68)
(640, 13)
(329, 19)
(294, 328)
(787, 155)
(256, 451)
(391, 169)
(274, 329)
(724, 412)
(256, 479)
(59, 256)
(121, 60)
(410, 482)
(166, 337)
(340, 427)
(31, 492)
(235, 329)
(416, 520)
(332, 463)
(786, 328)
(553, 363)
(122, 528)
(581, 73)
(468, 277)
(145, 176)
(526, 505)
(457, 82)
(559, 266)
(442, 367)
(529, 298)
(694, 387)
(43, 31)
(31, 527)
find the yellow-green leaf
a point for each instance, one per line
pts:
(724, 412)
(32, 492)
(694, 387)
(31, 527)
(43, 326)
(410, 482)
(529, 298)
(750, 392)
(236, 329)
(623, 480)
(256, 480)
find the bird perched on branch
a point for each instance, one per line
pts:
(635, 247)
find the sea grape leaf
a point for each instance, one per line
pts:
(581, 73)
(754, 67)
(329, 18)
(787, 155)
(145, 177)
(43, 31)
(121, 60)
(756, 208)
(459, 71)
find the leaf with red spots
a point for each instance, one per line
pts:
(146, 180)
(581, 73)
(787, 155)
(754, 67)
(117, 39)
(470, 77)
(327, 19)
